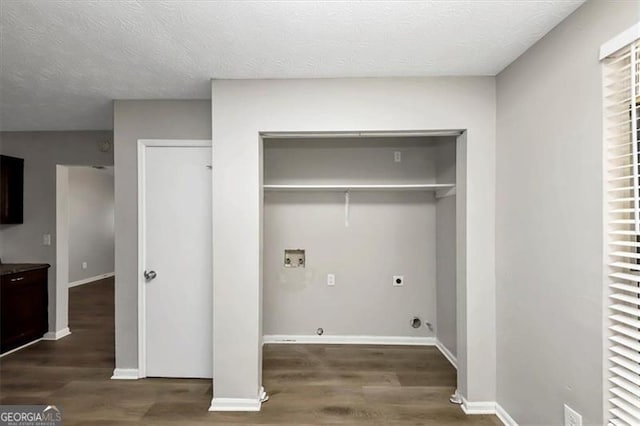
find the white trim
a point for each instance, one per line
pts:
(461, 211)
(20, 347)
(447, 354)
(623, 39)
(235, 404)
(504, 417)
(606, 250)
(56, 335)
(479, 407)
(141, 261)
(487, 407)
(125, 374)
(59, 300)
(142, 144)
(91, 279)
(348, 340)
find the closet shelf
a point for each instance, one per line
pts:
(444, 187)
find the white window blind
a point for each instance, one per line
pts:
(621, 111)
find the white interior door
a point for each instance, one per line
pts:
(177, 248)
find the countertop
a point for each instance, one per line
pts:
(15, 268)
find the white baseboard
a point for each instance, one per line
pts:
(56, 335)
(504, 417)
(235, 404)
(348, 340)
(125, 374)
(478, 407)
(488, 407)
(20, 347)
(91, 279)
(447, 354)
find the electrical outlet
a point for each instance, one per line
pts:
(398, 280)
(84, 265)
(571, 417)
(397, 156)
(46, 239)
(331, 279)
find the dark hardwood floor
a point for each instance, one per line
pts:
(307, 384)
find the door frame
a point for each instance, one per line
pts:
(142, 145)
(461, 238)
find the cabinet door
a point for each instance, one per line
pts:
(23, 308)
(11, 189)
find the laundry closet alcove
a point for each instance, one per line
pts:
(374, 217)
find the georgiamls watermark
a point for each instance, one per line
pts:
(30, 415)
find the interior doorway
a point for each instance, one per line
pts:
(85, 234)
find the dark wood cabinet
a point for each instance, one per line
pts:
(23, 307)
(11, 189)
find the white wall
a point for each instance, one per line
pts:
(91, 222)
(549, 220)
(351, 160)
(244, 108)
(133, 120)
(42, 151)
(446, 250)
(388, 234)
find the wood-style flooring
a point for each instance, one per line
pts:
(307, 384)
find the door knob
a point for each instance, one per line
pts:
(149, 275)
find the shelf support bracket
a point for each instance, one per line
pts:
(448, 192)
(346, 209)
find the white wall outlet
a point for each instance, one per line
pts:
(331, 279)
(84, 265)
(571, 417)
(397, 156)
(46, 239)
(398, 280)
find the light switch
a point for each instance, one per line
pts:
(46, 239)
(331, 279)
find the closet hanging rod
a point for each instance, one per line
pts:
(360, 187)
(368, 134)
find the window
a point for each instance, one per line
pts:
(621, 112)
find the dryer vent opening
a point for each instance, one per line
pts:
(416, 322)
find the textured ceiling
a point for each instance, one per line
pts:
(62, 62)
